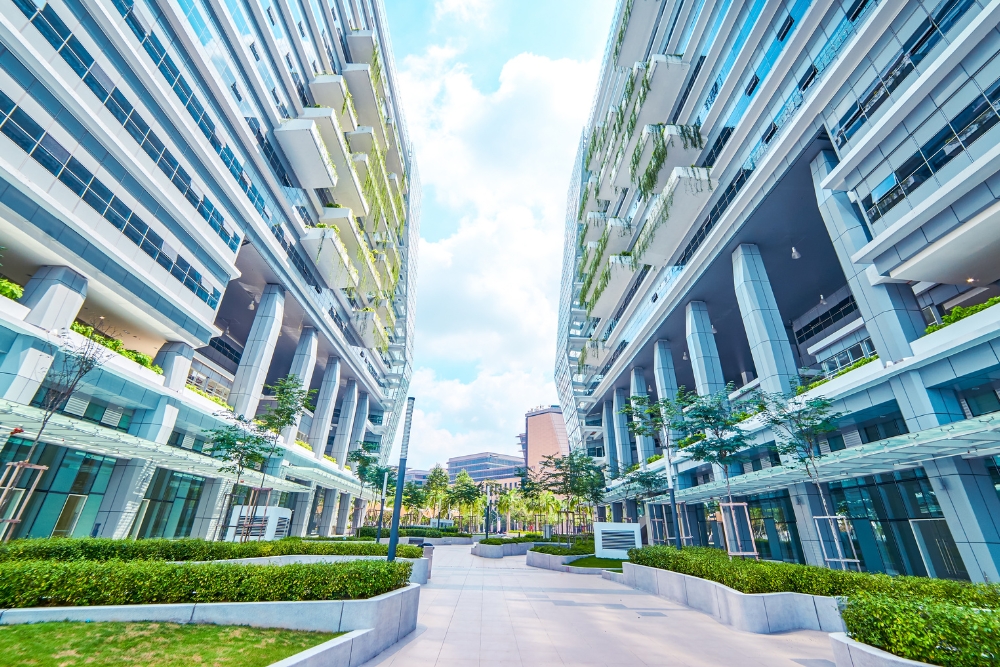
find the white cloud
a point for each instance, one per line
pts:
(468, 11)
(487, 295)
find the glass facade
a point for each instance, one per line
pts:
(169, 507)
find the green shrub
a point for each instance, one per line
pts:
(959, 313)
(116, 345)
(938, 633)
(32, 583)
(97, 549)
(10, 289)
(493, 541)
(372, 531)
(581, 548)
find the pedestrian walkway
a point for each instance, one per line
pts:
(481, 612)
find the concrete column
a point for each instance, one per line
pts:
(921, 407)
(769, 346)
(891, 314)
(705, 362)
(608, 426)
(971, 507)
(327, 524)
(360, 504)
(157, 423)
(303, 365)
(345, 424)
(616, 512)
(252, 371)
(55, 295)
(319, 432)
(665, 378)
(302, 512)
(174, 358)
(622, 437)
(645, 445)
(806, 504)
(208, 515)
(360, 422)
(343, 508)
(127, 487)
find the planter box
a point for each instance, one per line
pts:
(849, 653)
(383, 620)
(761, 613)
(501, 550)
(559, 563)
(419, 575)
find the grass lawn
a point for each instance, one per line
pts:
(150, 644)
(594, 561)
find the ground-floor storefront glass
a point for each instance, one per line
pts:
(169, 508)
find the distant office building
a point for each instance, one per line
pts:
(418, 477)
(544, 435)
(501, 468)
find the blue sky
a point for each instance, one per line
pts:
(495, 94)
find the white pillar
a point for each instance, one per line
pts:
(360, 423)
(303, 365)
(257, 354)
(174, 358)
(211, 506)
(127, 487)
(622, 437)
(342, 440)
(319, 432)
(156, 423)
(645, 445)
(769, 346)
(327, 522)
(608, 427)
(705, 362)
(342, 509)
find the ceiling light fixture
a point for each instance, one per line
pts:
(684, 356)
(970, 280)
(796, 254)
(822, 299)
(713, 329)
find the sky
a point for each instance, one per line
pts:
(495, 95)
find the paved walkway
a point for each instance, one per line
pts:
(481, 612)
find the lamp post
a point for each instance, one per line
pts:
(381, 507)
(400, 475)
(487, 517)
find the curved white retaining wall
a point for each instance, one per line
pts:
(419, 575)
(849, 653)
(559, 563)
(762, 613)
(383, 620)
(501, 550)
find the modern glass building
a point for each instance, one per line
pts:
(772, 192)
(484, 466)
(227, 189)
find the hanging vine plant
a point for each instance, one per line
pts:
(652, 173)
(655, 220)
(581, 362)
(622, 27)
(691, 136)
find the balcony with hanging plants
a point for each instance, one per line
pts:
(307, 153)
(672, 213)
(611, 284)
(328, 251)
(661, 148)
(330, 90)
(348, 190)
(370, 329)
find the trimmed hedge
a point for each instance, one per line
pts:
(34, 583)
(98, 549)
(938, 633)
(751, 576)
(494, 541)
(578, 549)
(372, 531)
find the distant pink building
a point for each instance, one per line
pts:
(544, 435)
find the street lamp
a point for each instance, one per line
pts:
(400, 475)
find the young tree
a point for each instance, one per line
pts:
(415, 498)
(464, 492)
(76, 358)
(437, 487)
(507, 503)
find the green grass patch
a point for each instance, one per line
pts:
(150, 644)
(578, 549)
(594, 561)
(66, 549)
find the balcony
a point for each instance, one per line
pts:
(330, 90)
(659, 150)
(619, 235)
(367, 103)
(329, 253)
(369, 283)
(348, 190)
(614, 278)
(596, 222)
(393, 154)
(370, 329)
(380, 216)
(672, 214)
(363, 46)
(303, 146)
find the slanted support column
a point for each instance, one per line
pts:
(319, 432)
(622, 438)
(174, 358)
(209, 515)
(971, 507)
(616, 512)
(360, 423)
(127, 487)
(303, 365)
(345, 424)
(608, 427)
(302, 512)
(360, 504)
(327, 525)
(55, 295)
(807, 505)
(645, 445)
(342, 509)
(252, 371)
(890, 311)
(705, 362)
(921, 407)
(772, 354)
(156, 423)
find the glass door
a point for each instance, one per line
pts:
(938, 549)
(70, 514)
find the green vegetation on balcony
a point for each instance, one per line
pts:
(583, 201)
(653, 223)
(212, 397)
(622, 27)
(116, 345)
(10, 289)
(654, 458)
(803, 388)
(959, 313)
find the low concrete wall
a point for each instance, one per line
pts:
(385, 619)
(617, 577)
(501, 550)
(763, 613)
(334, 653)
(559, 563)
(419, 575)
(849, 653)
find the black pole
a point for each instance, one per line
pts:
(400, 475)
(381, 508)
(487, 518)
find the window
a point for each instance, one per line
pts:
(270, 16)
(253, 50)
(236, 92)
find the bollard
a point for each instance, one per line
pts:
(429, 555)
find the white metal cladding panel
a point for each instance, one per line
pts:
(613, 540)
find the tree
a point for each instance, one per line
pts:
(290, 399)
(437, 487)
(575, 477)
(797, 425)
(415, 498)
(76, 358)
(507, 501)
(464, 492)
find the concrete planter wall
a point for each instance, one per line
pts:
(501, 550)
(382, 620)
(559, 563)
(849, 653)
(419, 575)
(762, 613)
